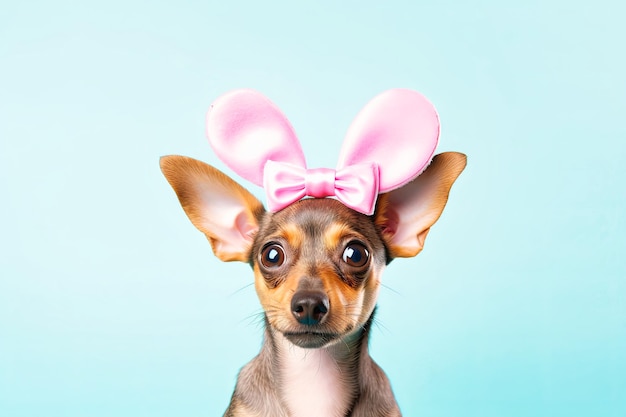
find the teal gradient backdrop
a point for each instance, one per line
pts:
(112, 304)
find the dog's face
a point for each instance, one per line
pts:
(317, 268)
(317, 264)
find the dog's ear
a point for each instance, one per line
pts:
(219, 207)
(406, 214)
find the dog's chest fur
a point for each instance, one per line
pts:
(312, 382)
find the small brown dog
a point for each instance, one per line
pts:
(317, 271)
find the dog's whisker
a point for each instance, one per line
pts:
(257, 319)
(387, 287)
(245, 287)
(380, 326)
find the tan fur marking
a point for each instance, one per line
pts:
(277, 301)
(334, 234)
(293, 235)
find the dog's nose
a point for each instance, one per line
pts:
(309, 307)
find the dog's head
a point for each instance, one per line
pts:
(317, 263)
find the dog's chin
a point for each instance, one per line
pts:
(311, 339)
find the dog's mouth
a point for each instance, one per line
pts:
(311, 339)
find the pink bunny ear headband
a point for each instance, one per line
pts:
(390, 142)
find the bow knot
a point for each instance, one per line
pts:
(319, 182)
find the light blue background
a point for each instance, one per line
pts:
(112, 304)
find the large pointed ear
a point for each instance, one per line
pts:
(406, 214)
(219, 207)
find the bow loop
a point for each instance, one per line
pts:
(357, 186)
(283, 184)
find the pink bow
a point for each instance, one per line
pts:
(356, 186)
(390, 142)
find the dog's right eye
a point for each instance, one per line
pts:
(272, 256)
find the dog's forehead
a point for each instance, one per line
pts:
(315, 217)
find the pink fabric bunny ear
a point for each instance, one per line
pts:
(399, 130)
(390, 142)
(246, 130)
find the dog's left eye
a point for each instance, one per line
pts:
(272, 256)
(356, 255)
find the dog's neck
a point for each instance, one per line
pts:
(319, 382)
